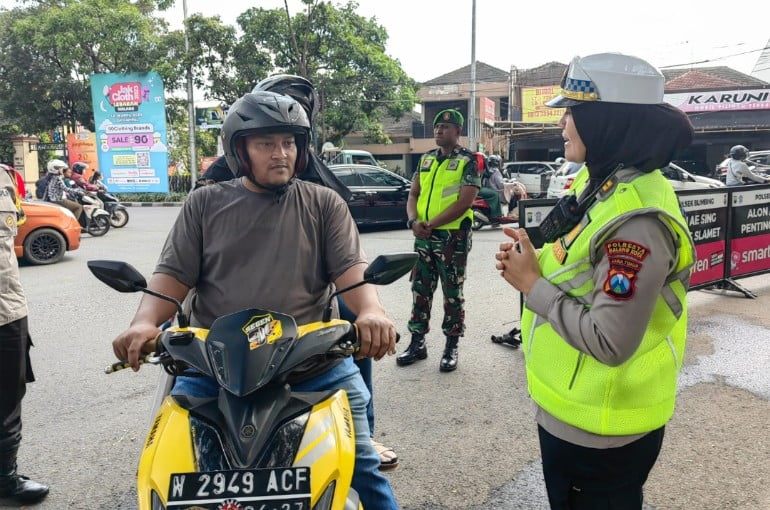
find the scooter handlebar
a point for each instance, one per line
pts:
(123, 364)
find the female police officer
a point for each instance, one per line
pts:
(606, 317)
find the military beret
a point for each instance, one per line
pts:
(450, 116)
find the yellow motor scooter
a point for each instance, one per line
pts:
(257, 445)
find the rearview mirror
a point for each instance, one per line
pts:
(386, 269)
(123, 277)
(118, 275)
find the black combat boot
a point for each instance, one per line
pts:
(16, 487)
(449, 359)
(416, 351)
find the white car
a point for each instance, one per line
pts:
(679, 178)
(534, 175)
(562, 179)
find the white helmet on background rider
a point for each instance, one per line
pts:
(56, 166)
(494, 161)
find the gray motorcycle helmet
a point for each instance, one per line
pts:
(299, 88)
(739, 152)
(264, 113)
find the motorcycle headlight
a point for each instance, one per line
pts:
(156, 503)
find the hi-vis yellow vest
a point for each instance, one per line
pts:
(638, 395)
(440, 187)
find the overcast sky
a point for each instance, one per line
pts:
(433, 37)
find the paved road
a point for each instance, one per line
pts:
(466, 440)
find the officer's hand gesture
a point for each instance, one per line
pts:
(517, 260)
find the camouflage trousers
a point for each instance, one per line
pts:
(442, 256)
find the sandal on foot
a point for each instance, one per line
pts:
(388, 458)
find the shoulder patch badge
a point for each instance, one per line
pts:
(625, 259)
(453, 164)
(426, 163)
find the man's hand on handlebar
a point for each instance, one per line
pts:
(376, 334)
(137, 339)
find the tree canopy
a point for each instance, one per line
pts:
(49, 49)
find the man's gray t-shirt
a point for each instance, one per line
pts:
(240, 249)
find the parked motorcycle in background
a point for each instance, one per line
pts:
(482, 214)
(118, 212)
(95, 219)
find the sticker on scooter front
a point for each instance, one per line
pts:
(261, 330)
(253, 489)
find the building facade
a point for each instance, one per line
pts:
(726, 108)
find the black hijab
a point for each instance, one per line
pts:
(643, 136)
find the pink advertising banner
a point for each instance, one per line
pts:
(719, 101)
(750, 231)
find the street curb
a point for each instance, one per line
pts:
(152, 204)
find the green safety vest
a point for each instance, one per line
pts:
(440, 187)
(638, 395)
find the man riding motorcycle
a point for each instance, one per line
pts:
(77, 176)
(269, 240)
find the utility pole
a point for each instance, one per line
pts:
(190, 103)
(472, 106)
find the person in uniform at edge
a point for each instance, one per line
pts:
(237, 242)
(605, 319)
(438, 211)
(15, 342)
(738, 172)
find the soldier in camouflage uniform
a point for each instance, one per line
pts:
(443, 189)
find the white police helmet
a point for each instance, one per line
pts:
(610, 78)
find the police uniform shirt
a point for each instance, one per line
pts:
(612, 329)
(13, 304)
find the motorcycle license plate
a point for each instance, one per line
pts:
(251, 489)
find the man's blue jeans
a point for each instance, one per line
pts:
(373, 488)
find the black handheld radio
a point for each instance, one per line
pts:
(568, 211)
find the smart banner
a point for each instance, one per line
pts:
(750, 231)
(706, 213)
(129, 113)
